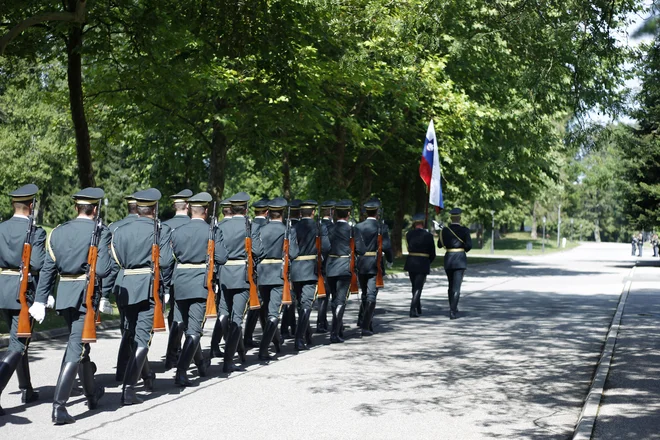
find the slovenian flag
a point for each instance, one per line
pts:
(429, 168)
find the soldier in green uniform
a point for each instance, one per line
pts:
(303, 254)
(174, 319)
(108, 287)
(131, 249)
(68, 247)
(222, 323)
(338, 267)
(322, 317)
(189, 243)
(271, 283)
(13, 233)
(288, 327)
(366, 247)
(234, 275)
(457, 242)
(260, 219)
(421, 253)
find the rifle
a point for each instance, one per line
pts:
(91, 286)
(254, 296)
(379, 252)
(159, 321)
(353, 289)
(211, 309)
(320, 289)
(24, 325)
(286, 263)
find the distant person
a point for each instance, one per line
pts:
(456, 239)
(421, 253)
(633, 242)
(640, 243)
(654, 244)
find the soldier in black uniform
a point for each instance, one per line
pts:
(174, 318)
(457, 242)
(108, 287)
(189, 243)
(234, 276)
(260, 219)
(366, 247)
(327, 208)
(13, 233)
(271, 283)
(421, 253)
(303, 254)
(222, 322)
(131, 250)
(338, 267)
(633, 241)
(288, 327)
(66, 262)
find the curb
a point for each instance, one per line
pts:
(60, 332)
(585, 425)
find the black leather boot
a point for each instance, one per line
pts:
(452, 315)
(148, 376)
(361, 314)
(337, 324)
(133, 371)
(419, 303)
(173, 342)
(233, 339)
(240, 350)
(284, 326)
(92, 391)
(201, 362)
(250, 324)
(322, 317)
(301, 330)
(369, 309)
(28, 394)
(123, 356)
(454, 305)
(187, 352)
(269, 333)
(414, 303)
(277, 340)
(63, 389)
(7, 368)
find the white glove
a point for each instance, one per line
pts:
(38, 311)
(389, 265)
(167, 298)
(437, 226)
(51, 302)
(105, 306)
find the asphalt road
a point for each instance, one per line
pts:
(516, 365)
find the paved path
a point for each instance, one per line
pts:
(516, 365)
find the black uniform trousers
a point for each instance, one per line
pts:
(271, 297)
(305, 294)
(75, 321)
(193, 314)
(368, 288)
(16, 344)
(235, 304)
(455, 278)
(139, 322)
(338, 287)
(417, 279)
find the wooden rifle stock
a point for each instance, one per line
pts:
(211, 308)
(320, 289)
(286, 267)
(379, 256)
(89, 327)
(254, 296)
(353, 289)
(24, 326)
(159, 321)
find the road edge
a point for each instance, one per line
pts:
(587, 420)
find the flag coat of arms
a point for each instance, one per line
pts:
(429, 168)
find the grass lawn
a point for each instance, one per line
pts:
(439, 262)
(515, 243)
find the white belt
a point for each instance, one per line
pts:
(191, 266)
(10, 271)
(235, 263)
(370, 254)
(138, 271)
(270, 261)
(306, 257)
(82, 277)
(339, 256)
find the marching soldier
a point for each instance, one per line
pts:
(457, 242)
(68, 247)
(366, 247)
(288, 327)
(338, 268)
(222, 322)
(421, 253)
(260, 212)
(13, 233)
(303, 253)
(174, 319)
(108, 287)
(132, 249)
(270, 270)
(234, 276)
(322, 317)
(189, 243)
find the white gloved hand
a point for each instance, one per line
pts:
(437, 226)
(38, 311)
(389, 264)
(51, 302)
(167, 298)
(105, 306)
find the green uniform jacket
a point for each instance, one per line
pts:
(109, 282)
(339, 262)
(131, 249)
(271, 237)
(12, 238)
(303, 244)
(68, 245)
(189, 243)
(176, 221)
(366, 242)
(232, 232)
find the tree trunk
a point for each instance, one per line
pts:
(286, 176)
(534, 235)
(74, 79)
(397, 230)
(218, 163)
(480, 236)
(597, 231)
(522, 226)
(367, 179)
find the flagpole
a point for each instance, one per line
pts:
(426, 218)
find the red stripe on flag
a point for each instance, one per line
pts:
(425, 171)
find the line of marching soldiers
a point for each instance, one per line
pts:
(272, 266)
